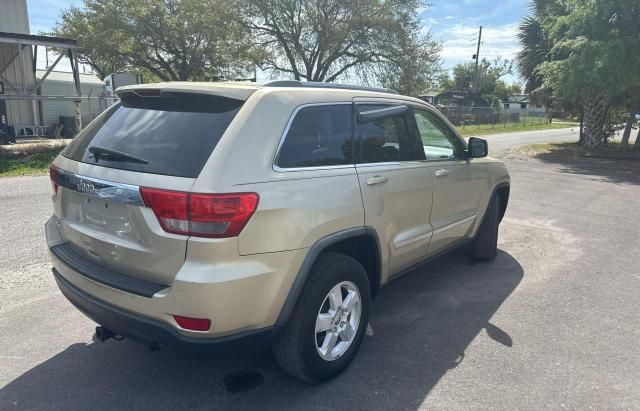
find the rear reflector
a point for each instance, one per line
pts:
(53, 176)
(201, 215)
(195, 324)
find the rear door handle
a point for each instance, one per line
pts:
(442, 172)
(377, 180)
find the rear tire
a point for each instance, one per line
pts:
(485, 244)
(298, 348)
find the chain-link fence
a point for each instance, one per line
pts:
(493, 117)
(57, 117)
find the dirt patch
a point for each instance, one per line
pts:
(571, 151)
(610, 163)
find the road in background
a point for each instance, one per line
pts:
(505, 141)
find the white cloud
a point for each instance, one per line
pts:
(459, 41)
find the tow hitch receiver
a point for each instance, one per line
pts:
(103, 334)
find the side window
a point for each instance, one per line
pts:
(318, 136)
(385, 140)
(438, 141)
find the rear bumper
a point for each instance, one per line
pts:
(149, 331)
(241, 295)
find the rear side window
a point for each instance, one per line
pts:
(173, 134)
(387, 139)
(318, 136)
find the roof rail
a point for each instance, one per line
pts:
(319, 84)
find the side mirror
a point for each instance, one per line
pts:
(478, 148)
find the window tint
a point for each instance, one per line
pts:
(174, 133)
(318, 136)
(385, 140)
(438, 141)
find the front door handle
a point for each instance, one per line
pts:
(377, 180)
(442, 172)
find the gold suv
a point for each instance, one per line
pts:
(221, 217)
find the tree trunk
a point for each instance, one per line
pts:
(581, 138)
(594, 119)
(627, 130)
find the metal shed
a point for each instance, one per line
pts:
(59, 83)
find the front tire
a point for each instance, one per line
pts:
(329, 320)
(485, 244)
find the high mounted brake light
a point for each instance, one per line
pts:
(201, 215)
(148, 92)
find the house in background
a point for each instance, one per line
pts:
(445, 98)
(520, 102)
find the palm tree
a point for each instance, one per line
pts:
(535, 51)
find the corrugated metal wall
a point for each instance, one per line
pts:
(14, 19)
(20, 113)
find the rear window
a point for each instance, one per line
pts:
(173, 134)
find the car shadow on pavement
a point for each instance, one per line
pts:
(422, 324)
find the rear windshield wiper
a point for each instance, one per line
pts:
(114, 155)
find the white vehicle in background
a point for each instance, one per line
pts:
(115, 80)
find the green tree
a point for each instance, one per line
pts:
(96, 44)
(326, 40)
(491, 89)
(584, 51)
(171, 39)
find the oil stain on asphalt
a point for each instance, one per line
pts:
(242, 381)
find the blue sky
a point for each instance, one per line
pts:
(455, 23)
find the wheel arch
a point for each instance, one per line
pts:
(502, 190)
(360, 243)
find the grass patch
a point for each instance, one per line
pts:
(484, 129)
(32, 164)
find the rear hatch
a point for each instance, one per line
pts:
(158, 140)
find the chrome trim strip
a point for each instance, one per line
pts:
(412, 240)
(415, 163)
(454, 224)
(101, 189)
(286, 170)
(275, 167)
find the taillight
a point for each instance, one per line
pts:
(220, 215)
(53, 176)
(170, 207)
(201, 215)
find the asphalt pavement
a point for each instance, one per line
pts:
(551, 323)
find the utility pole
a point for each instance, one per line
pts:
(477, 57)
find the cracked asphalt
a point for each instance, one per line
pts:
(552, 323)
